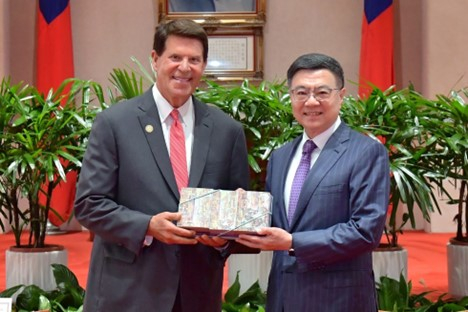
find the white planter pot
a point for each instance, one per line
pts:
(28, 266)
(252, 267)
(457, 261)
(390, 263)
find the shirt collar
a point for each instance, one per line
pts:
(321, 139)
(165, 108)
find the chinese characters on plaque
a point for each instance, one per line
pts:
(228, 53)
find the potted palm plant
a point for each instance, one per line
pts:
(43, 138)
(394, 118)
(264, 110)
(448, 119)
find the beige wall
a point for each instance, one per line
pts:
(298, 27)
(21, 33)
(431, 45)
(445, 39)
(4, 68)
(408, 43)
(107, 33)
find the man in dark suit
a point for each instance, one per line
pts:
(128, 191)
(330, 189)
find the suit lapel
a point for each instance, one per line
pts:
(152, 129)
(331, 153)
(201, 134)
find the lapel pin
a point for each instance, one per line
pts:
(149, 128)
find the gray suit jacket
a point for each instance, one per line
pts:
(339, 220)
(126, 178)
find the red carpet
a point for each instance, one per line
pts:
(427, 263)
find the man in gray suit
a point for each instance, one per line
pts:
(128, 191)
(325, 225)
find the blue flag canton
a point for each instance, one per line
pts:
(50, 9)
(373, 8)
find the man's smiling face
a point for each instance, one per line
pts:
(315, 116)
(179, 69)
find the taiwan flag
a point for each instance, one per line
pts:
(376, 63)
(55, 64)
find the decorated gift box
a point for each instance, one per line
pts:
(224, 213)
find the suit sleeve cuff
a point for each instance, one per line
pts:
(147, 241)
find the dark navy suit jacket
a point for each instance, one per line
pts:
(339, 220)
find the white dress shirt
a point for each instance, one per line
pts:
(186, 117)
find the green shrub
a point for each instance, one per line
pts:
(68, 296)
(252, 300)
(395, 296)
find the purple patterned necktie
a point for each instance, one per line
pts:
(300, 177)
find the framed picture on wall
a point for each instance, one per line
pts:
(235, 34)
(234, 54)
(215, 12)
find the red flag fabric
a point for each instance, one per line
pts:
(54, 63)
(376, 63)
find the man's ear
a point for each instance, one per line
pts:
(342, 93)
(154, 59)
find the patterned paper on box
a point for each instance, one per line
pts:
(224, 213)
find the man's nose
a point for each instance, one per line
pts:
(311, 100)
(184, 65)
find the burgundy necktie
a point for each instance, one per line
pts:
(177, 151)
(300, 177)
